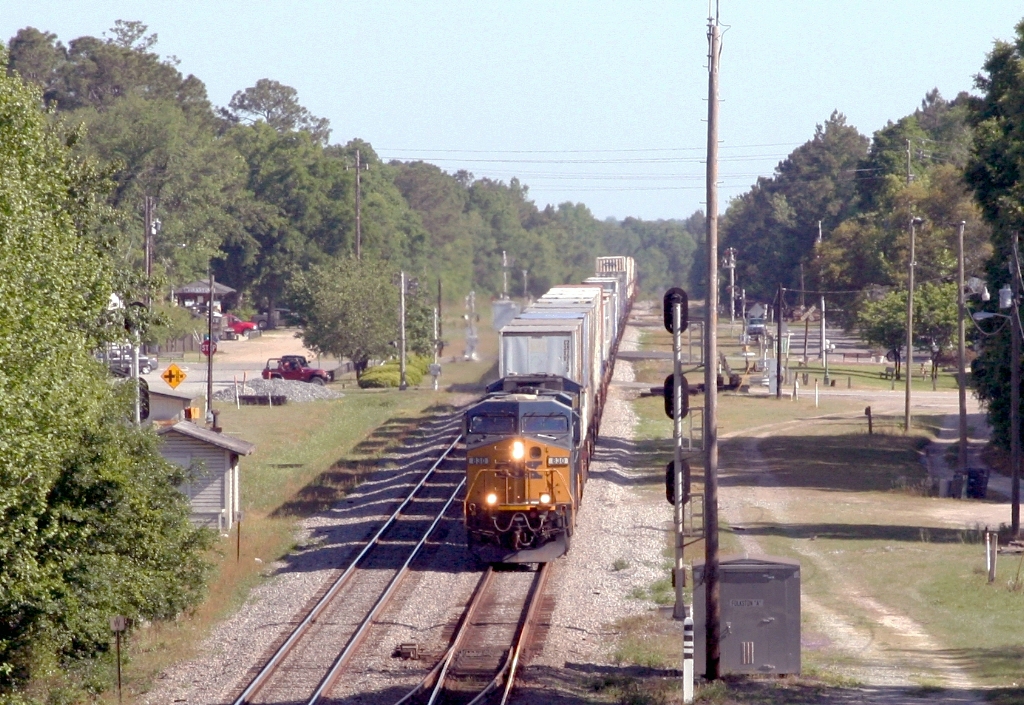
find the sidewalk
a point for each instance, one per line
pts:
(978, 433)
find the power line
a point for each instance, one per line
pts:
(585, 151)
(638, 160)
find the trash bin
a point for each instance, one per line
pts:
(760, 615)
(977, 483)
(976, 480)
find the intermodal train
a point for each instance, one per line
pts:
(530, 439)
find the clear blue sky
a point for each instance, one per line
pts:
(543, 90)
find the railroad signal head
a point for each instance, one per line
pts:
(670, 406)
(674, 296)
(670, 482)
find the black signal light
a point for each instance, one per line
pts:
(670, 386)
(674, 296)
(670, 482)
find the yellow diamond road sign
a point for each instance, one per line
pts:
(173, 375)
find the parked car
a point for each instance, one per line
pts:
(237, 325)
(755, 327)
(119, 360)
(264, 320)
(295, 367)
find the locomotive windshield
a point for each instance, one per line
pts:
(548, 423)
(492, 424)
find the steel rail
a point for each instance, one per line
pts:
(438, 672)
(268, 669)
(354, 640)
(512, 661)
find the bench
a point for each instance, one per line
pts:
(889, 373)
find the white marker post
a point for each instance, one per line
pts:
(688, 660)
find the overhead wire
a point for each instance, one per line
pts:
(587, 151)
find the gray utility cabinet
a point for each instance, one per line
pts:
(760, 608)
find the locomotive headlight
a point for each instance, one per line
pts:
(545, 498)
(518, 450)
(492, 499)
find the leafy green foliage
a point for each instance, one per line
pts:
(351, 309)
(390, 373)
(995, 173)
(90, 521)
(883, 321)
(775, 224)
(277, 105)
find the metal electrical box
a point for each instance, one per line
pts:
(760, 615)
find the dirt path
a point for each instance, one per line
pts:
(887, 651)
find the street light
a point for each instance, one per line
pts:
(914, 222)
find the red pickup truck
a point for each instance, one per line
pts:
(295, 367)
(239, 326)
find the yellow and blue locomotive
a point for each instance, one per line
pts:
(525, 473)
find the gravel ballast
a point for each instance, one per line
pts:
(616, 527)
(293, 391)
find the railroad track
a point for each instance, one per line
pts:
(309, 661)
(497, 627)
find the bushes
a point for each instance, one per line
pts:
(389, 374)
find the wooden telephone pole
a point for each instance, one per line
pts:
(711, 577)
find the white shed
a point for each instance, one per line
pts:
(213, 457)
(169, 405)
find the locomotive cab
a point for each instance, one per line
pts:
(523, 476)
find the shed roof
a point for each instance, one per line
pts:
(203, 287)
(186, 428)
(174, 393)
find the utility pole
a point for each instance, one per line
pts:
(711, 577)
(401, 335)
(824, 344)
(359, 219)
(960, 350)
(778, 343)
(152, 226)
(504, 275)
(821, 340)
(1015, 393)
(209, 358)
(148, 224)
(910, 176)
(909, 375)
(440, 320)
(525, 272)
(801, 285)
